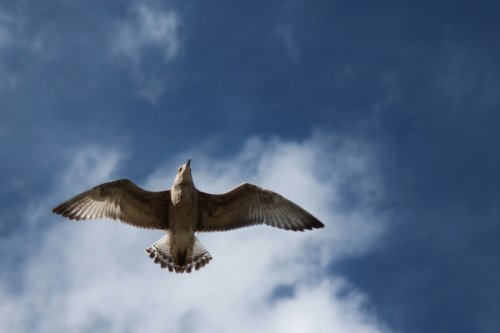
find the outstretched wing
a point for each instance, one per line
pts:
(119, 200)
(248, 205)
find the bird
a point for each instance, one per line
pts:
(182, 211)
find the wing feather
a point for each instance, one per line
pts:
(248, 205)
(119, 200)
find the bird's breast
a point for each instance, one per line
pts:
(184, 213)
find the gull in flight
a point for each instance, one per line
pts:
(182, 211)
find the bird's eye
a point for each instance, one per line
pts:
(180, 169)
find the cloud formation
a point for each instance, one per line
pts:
(148, 30)
(147, 27)
(95, 276)
(16, 37)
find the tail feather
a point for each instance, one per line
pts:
(166, 256)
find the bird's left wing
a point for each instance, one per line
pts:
(248, 205)
(119, 200)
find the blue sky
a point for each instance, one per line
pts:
(380, 118)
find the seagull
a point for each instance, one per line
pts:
(184, 210)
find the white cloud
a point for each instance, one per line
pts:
(15, 37)
(95, 276)
(91, 165)
(149, 28)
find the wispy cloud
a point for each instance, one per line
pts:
(8, 79)
(148, 29)
(467, 76)
(287, 38)
(5, 31)
(15, 38)
(90, 165)
(95, 276)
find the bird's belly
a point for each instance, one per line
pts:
(183, 217)
(182, 240)
(182, 225)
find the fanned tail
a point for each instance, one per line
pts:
(180, 261)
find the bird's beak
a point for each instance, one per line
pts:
(188, 163)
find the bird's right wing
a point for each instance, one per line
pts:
(248, 205)
(119, 200)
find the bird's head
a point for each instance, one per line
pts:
(184, 174)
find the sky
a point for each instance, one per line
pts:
(380, 118)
